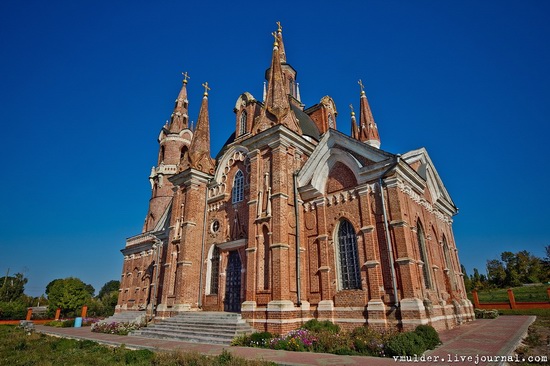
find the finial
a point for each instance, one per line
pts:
(362, 86)
(185, 77)
(280, 27)
(352, 112)
(206, 88)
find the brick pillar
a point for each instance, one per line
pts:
(511, 298)
(476, 299)
(29, 314)
(57, 313)
(84, 311)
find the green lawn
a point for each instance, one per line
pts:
(18, 348)
(522, 294)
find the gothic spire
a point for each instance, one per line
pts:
(368, 131)
(354, 129)
(178, 120)
(199, 151)
(282, 54)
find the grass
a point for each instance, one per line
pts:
(19, 348)
(535, 293)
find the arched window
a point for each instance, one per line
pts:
(237, 194)
(265, 232)
(423, 255)
(242, 123)
(214, 270)
(448, 264)
(161, 154)
(348, 256)
(292, 87)
(183, 152)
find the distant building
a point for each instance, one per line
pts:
(294, 220)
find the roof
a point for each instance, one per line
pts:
(306, 123)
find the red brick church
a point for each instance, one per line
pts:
(294, 220)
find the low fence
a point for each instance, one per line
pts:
(511, 304)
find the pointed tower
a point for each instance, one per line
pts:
(368, 131)
(199, 151)
(282, 54)
(354, 129)
(174, 144)
(280, 84)
(180, 118)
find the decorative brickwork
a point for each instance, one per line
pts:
(366, 240)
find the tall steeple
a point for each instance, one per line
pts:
(354, 129)
(277, 105)
(199, 151)
(368, 131)
(179, 118)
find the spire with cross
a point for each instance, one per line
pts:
(206, 88)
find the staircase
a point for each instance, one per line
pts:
(199, 327)
(137, 317)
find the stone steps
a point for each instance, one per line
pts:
(199, 327)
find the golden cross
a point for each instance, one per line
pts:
(280, 27)
(185, 77)
(351, 107)
(276, 39)
(206, 88)
(361, 85)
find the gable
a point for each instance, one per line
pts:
(365, 163)
(420, 161)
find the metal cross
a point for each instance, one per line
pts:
(280, 27)
(185, 76)
(361, 85)
(351, 107)
(275, 36)
(206, 87)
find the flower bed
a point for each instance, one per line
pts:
(326, 337)
(115, 328)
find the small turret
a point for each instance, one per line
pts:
(368, 131)
(199, 151)
(354, 129)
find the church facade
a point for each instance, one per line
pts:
(294, 220)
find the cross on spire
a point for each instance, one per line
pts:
(206, 88)
(351, 107)
(362, 86)
(280, 27)
(276, 43)
(185, 77)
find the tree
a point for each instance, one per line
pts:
(69, 294)
(12, 288)
(467, 281)
(109, 287)
(496, 273)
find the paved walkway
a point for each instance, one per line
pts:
(478, 339)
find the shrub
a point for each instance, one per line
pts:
(486, 314)
(406, 344)
(339, 343)
(315, 325)
(429, 335)
(371, 342)
(14, 310)
(258, 339)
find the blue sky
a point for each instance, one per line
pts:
(86, 86)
